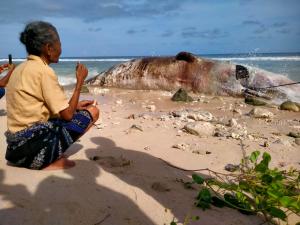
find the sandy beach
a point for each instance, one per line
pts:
(126, 171)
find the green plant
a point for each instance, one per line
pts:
(253, 189)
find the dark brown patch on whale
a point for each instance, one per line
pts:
(185, 56)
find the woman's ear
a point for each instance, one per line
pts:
(47, 49)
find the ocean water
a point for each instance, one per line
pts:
(287, 64)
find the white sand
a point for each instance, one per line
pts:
(120, 186)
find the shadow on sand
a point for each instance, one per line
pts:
(85, 195)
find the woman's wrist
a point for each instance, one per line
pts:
(79, 85)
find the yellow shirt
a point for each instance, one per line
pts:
(33, 94)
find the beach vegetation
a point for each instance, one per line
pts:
(254, 189)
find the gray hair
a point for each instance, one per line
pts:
(36, 34)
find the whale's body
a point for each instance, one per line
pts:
(191, 73)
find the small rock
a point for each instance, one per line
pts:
(218, 98)
(181, 146)
(297, 141)
(237, 111)
(200, 128)
(254, 101)
(164, 118)
(261, 113)
(250, 137)
(136, 127)
(231, 167)
(84, 89)
(232, 122)
(132, 116)
(145, 116)
(151, 107)
(181, 114)
(181, 95)
(281, 164)
(266, 144)
(119, 102)
(235, 136)
(289, 105)
(294, 134)
(200, 116)
(147, 148)
(284, 142)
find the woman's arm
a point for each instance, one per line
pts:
(81, 74)
(4, 80)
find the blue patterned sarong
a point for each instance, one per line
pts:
(2, 92)
(44, 142)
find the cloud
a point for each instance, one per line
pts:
(135, 31)
(97, 29)
(192, 32)
(251, 22)
(284, 31)
(279, 24)
(88, 10)
(167, 33)
(259, 27)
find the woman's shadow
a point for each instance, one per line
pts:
(74, 197)
(160, 181)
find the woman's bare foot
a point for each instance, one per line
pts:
(62, 163)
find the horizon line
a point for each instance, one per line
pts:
(162, 55)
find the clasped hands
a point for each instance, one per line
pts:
(84, 104)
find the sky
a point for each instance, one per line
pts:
(156, 27)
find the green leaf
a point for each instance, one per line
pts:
(267, 157)
(203, 205)
(204, 198)
(217, 202)
(257, 201)
(266, 178)
(240, 196)
(277, 213)
(296, 205)
(261, 167)
(173, 223)
(231, 199)
(277, 175)
(244, 185)
(286, 201)
(195, 218)
(254, 155)
(264, 163)
(204, 195)
(274, 194)
(197, 179)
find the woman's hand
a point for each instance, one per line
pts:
(3, 67)
(4, 80)
(81, 73)
(84, 104)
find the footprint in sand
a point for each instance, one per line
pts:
(160, 187)
(110, 161)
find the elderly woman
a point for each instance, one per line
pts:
(42, 122)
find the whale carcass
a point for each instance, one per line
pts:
(192, 73)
